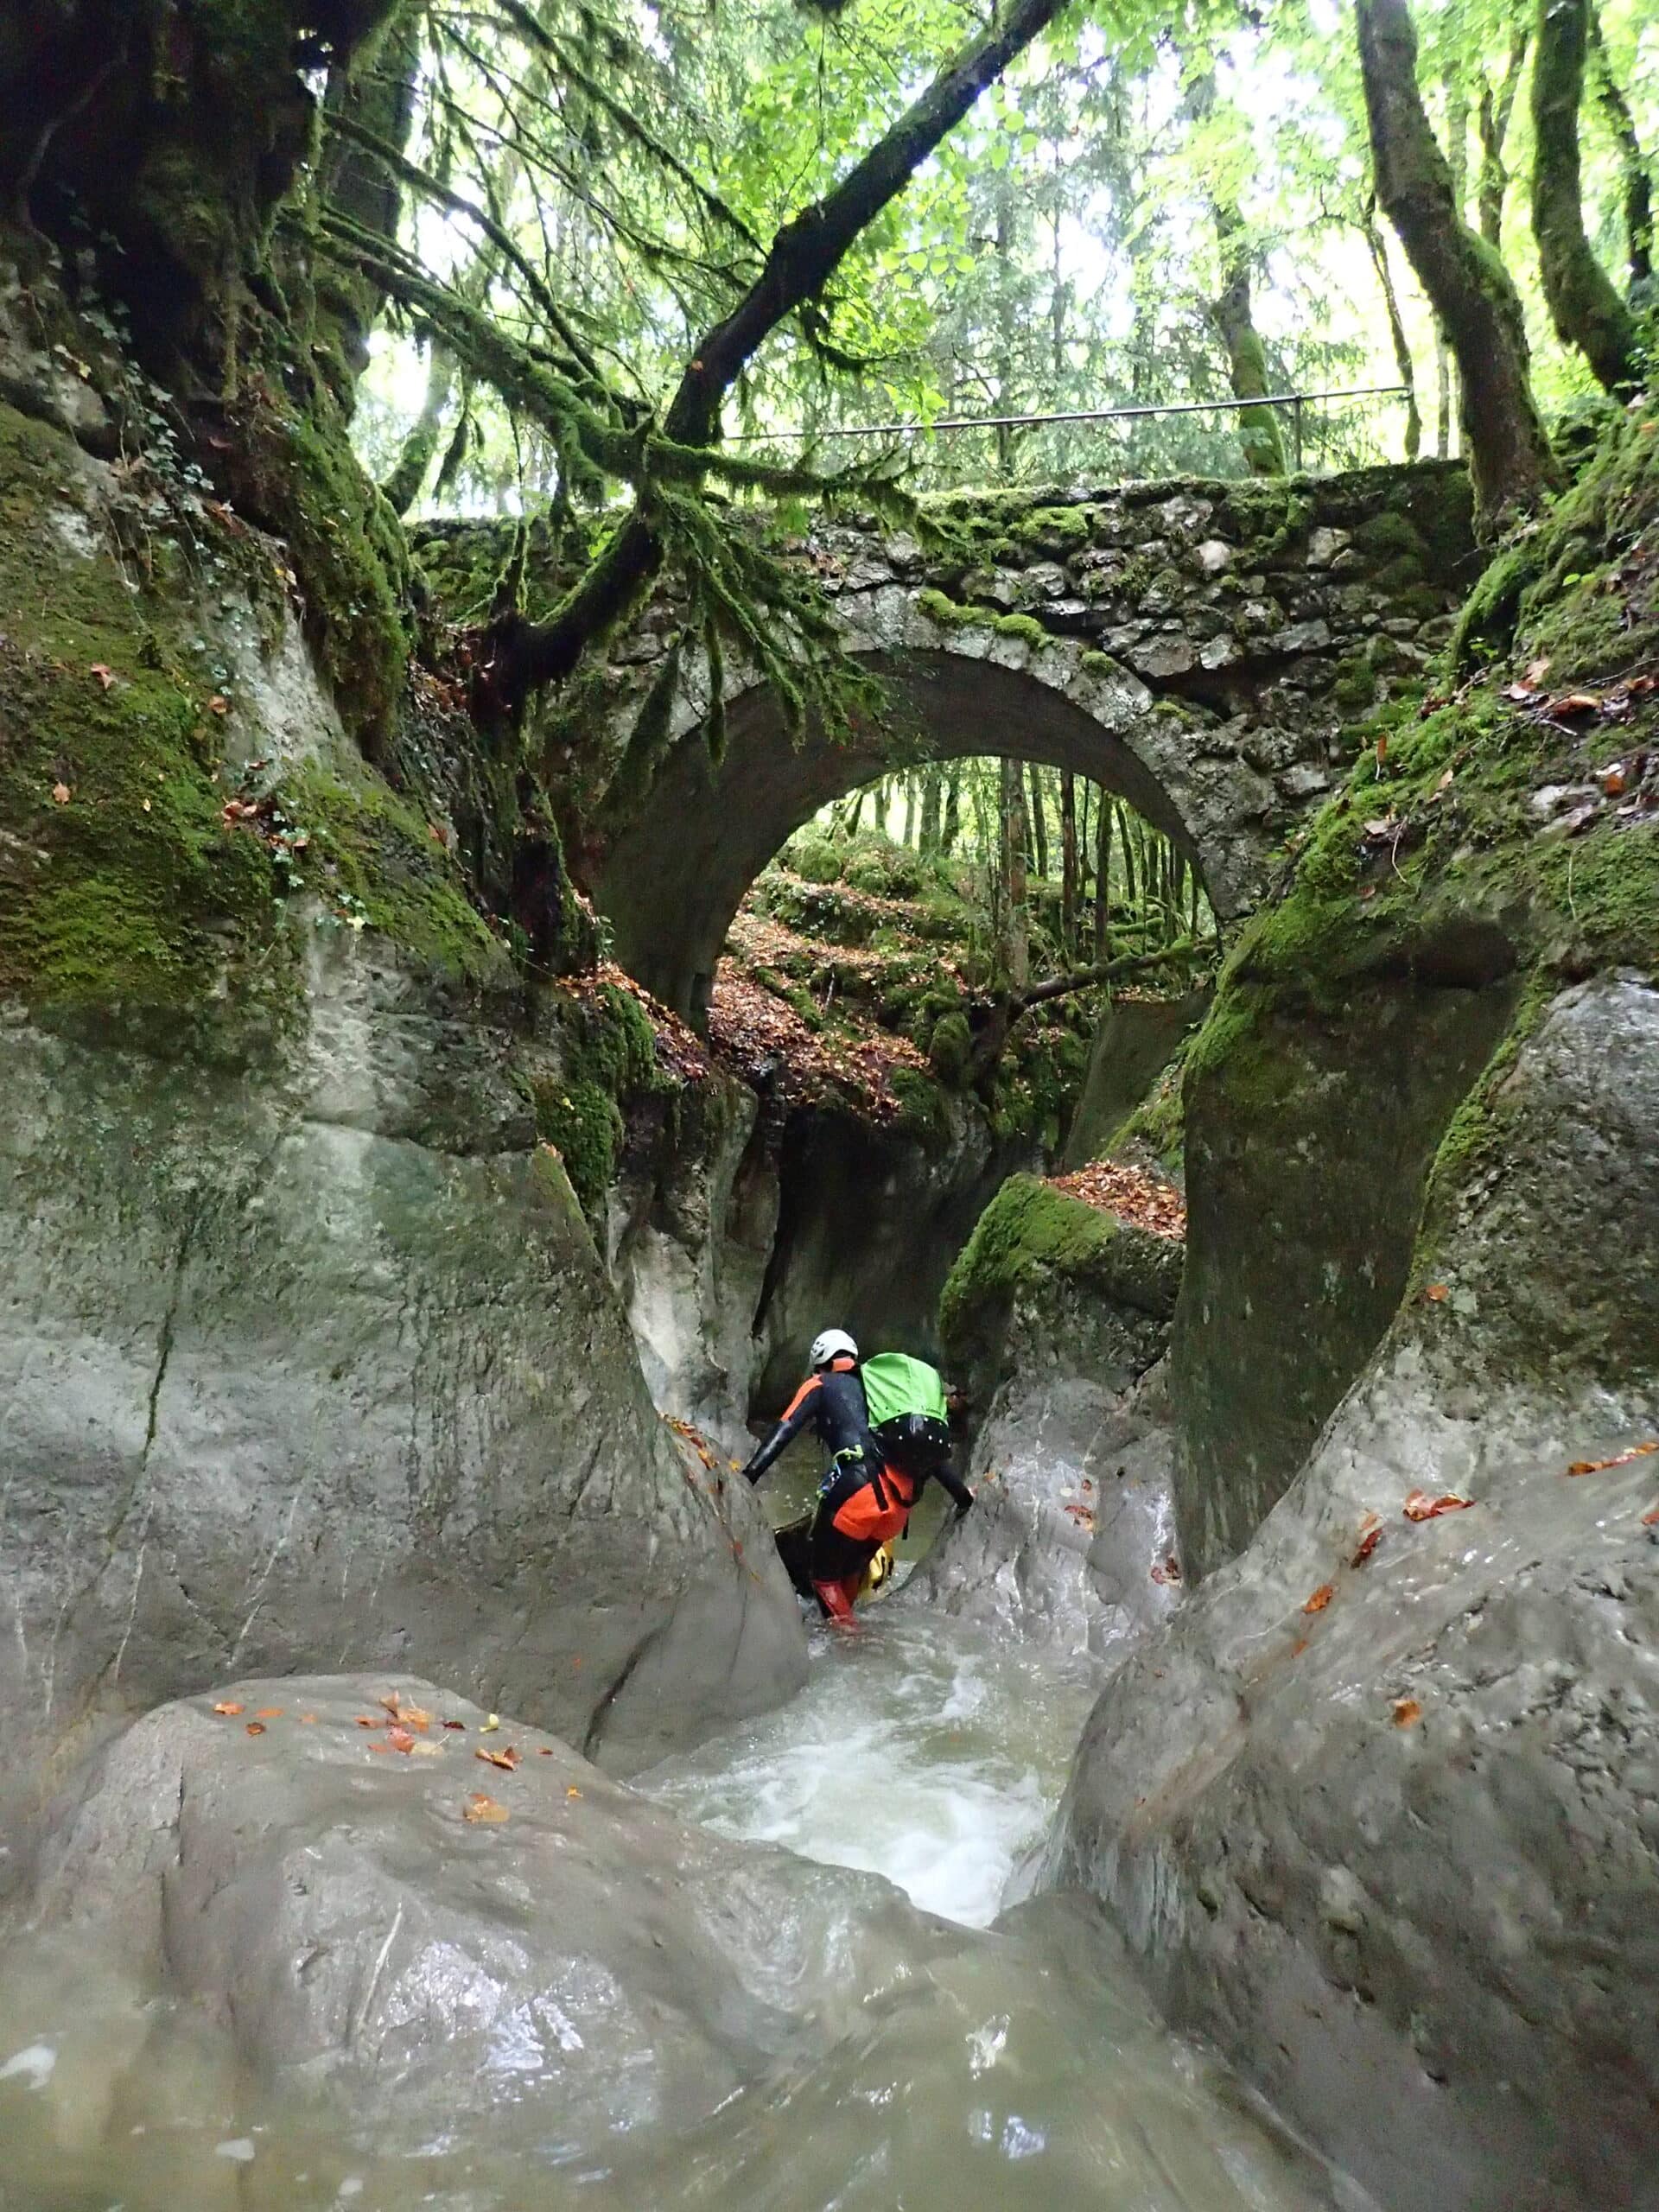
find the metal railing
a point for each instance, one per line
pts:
(1297, 401)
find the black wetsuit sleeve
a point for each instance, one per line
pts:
(798, 1417)
(952, 1483)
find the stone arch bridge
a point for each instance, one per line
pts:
(1196, 648)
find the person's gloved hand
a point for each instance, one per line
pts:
(965, 1507)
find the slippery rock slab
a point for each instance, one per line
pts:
(1387, 1829)
(316, 1363)
(1060, 1315)
(587, 1968)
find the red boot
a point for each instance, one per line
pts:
(837, 1598)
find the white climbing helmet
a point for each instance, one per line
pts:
(831, 1344)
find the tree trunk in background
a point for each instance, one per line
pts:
(1496, 106)
(1509, 457)
(931, 792)
(1442, 393)
(1003, 188)
(402, 487)
(1260, 432)
(1405, 367)
(849, 821)
(1633, 169)
(1069, 862)
(1105, 812)
(1015, 948)
(1259, 429)
(1584, 302)
(1038, 823)
(950, 829)
(910, 812)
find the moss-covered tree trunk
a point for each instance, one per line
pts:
(1467, 284)
(1635, 183)
(1496, 106)
(1584, 302)
(1069, 863)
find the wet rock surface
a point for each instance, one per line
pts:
(284, 1970)
(577, 1965)
(1379, 1816)
(1062, 1327)
(315, 1362)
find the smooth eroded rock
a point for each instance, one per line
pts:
(1381, 1820)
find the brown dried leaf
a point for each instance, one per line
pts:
(1419, 1506)
(573, 1791)
(227, 1706)
(1406, 1710)
(256, 1728)
(1575, 702)
(1437, 1294)
(369, 1720)
(455, 1724)
(1370, 1535)
(1320, 1599)
(481, 1808)
(268, 1712)
(1618, 1459)
(104, 676)
(400, 1739)
(507, 1759)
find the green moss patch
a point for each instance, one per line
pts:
(120, 882)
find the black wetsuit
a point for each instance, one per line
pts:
(832, 1401)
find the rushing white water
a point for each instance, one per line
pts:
(918, 1750)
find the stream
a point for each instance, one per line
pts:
(1018, 2068)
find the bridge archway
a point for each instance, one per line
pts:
(672, 882)
(1194, 649)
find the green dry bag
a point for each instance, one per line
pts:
(895, 1383)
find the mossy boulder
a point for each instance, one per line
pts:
(1030, 1231)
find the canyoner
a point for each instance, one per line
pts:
(884, 1424)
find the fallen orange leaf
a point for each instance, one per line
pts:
(256, 1728)
(1618, 1459)
(227, 1707)
(1320, 1599)
(400, 1739)
(1437, 1294)
(1370, 1535)
(1575, 702)
(455, 1724)
(507, 1760)
(481, 1808)
(1299, 1647)
(268, 1712)
(369, 1720)
(308, 1719)
(546, 1750)
(573, 1791)
(1406, 1710)
(1651, 1518)
(1420, 1507)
